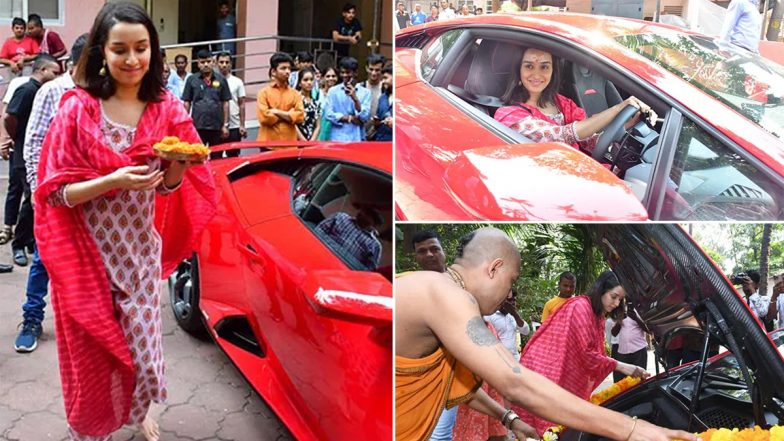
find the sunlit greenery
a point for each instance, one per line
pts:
(549, 249)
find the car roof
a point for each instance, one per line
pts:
(561, 23)
(376, 155)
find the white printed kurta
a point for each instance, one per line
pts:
(130, 247)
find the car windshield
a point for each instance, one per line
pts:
(748, 83)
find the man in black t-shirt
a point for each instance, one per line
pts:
(45, 68)
(206, 95)
(403, 19)
(347, 30)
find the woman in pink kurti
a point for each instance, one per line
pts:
(569, 347)
(111, 220)
(538, 111)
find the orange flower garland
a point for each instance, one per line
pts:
(172, 149)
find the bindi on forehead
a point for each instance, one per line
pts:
(537, 59)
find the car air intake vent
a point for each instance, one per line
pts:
(237, 331)
(740, 191)
(716, 417)
(416, 41)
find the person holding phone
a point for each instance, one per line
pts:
(382, 119)
(348, 105)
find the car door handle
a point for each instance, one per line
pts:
(248, 250)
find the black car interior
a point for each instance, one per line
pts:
(486, 73)
(323, 189)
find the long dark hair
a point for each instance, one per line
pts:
(606, 281)
(302, 73)
(517, 93)
(88, 69)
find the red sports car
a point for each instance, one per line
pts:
(717, 153)
(293, 281)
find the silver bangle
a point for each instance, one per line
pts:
(509, 416)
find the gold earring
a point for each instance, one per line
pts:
(102, 72)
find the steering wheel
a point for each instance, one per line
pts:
(613, 132)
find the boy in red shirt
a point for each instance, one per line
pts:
(19, 48)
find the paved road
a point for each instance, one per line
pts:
(208, 399)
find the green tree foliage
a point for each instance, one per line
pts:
(546, 251)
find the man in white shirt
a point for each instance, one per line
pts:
(237, 129)
(447, 13)
(375, 64)
(776, 304)
(757, 303)
(508, 324)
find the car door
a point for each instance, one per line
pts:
(323, 311)
(702, 177)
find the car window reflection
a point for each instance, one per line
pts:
(349, 209)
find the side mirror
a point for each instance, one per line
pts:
(350, 295)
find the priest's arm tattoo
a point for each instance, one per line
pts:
(480, 335)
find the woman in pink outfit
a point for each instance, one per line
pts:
(569, 347)
(112, 219)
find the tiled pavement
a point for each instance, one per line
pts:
(208, 399)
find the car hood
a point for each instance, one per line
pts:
(545, 181)
(673, 285)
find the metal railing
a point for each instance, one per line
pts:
(240, 63)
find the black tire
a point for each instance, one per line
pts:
(184, 298)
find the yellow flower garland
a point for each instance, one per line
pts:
(598, 398)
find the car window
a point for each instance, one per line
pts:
(708, 181)
(349, 209)
(435, 51)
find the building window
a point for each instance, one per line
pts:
(50, 10)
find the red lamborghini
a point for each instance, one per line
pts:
(293, 282)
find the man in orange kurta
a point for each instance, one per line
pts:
(278, 106)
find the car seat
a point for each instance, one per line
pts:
(589, 90)
(489, 75)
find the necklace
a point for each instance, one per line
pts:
(456, 277)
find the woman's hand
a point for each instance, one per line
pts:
(642, 107)
(135, 177)
(523, 430)
(173, 175)
(632, 370)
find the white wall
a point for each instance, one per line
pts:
(165, 15)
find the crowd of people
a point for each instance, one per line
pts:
(302, 103)
(404, 18)
(569, 347)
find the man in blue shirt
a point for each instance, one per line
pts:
(178, 78)
(227, 27)
(348, 105)
(418, 17)
(742, 25)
